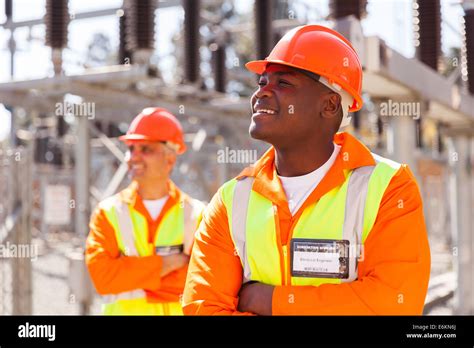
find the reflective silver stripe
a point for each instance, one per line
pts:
(189, 226)
(126, 228)
(354, 215)
(125, 224)
(240, 203)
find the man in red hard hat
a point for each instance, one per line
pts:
(319, 225)
(140, 239)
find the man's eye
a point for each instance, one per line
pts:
(261, 83)
(283, 82)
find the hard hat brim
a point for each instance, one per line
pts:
(259, 66)
(132, 138)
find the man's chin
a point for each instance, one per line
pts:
(258, 133)
(137, 177)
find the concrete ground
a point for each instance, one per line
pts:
(51, 294)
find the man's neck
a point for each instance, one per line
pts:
(297, 161)
(153, 190)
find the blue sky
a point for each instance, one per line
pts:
(389, 19)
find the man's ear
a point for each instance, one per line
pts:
(171, 160)
(331, 105)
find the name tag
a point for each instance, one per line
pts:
(168, 250)
(320, 258)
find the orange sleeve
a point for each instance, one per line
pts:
(112, 272)
(393, 277)
(215, 272)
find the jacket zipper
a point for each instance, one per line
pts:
(285, 262)
(285, 249)
(281, 248)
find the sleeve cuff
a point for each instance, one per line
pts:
(155, 282)
(281, 299)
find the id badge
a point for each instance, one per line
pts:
(320, 258)
(168, 250)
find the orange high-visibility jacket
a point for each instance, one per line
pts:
(392, 278)
(112, 274)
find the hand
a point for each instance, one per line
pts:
(173, 262)
(256, 298)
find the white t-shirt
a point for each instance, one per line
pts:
(154, 206)
(298, 188)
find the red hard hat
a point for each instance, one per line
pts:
(322, 51)
(156, 124)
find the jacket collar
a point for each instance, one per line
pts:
(353, 154)
(130, 194)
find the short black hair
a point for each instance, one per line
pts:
(308, 73)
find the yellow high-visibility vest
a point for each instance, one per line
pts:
(131, 231)
(346, 213)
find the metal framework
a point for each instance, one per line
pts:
(15, 232)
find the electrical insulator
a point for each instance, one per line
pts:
(56, 20)
(140, 24)
(469, 44)
(344, 8)
(429, 32)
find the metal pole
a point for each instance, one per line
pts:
(263, 27)
(191, 39)
(401, 139)
(15, 201)
(470, 211)
(219, 56)
(82, 176)
(26, 288)
(439, 138)
(12, 48)
(20, 171)
(13, 139)
(461, 212)
(11, 42)
(466, 306)
(82, 184)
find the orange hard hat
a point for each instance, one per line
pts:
(321, 51)
(156, 124)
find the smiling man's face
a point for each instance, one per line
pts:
(149, 161)
(286, 107)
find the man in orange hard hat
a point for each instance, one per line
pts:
(140, 239)
(319, 225)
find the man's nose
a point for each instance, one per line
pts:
(263, 91)
(133, 154)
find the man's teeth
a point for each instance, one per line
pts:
(266, 111)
